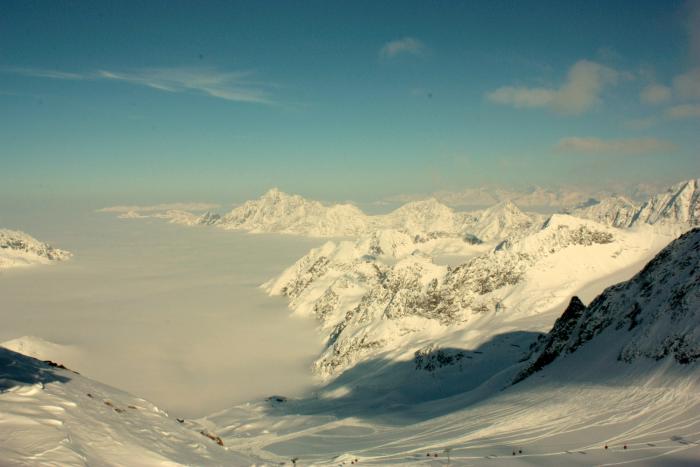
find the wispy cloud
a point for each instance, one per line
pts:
(580, 92)
(614, 146)
(232, 86)
(406, 45)
(655, 94)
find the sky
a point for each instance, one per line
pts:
(218, 101)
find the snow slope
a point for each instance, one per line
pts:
(19, 249)
(53, 416)
(655, 315)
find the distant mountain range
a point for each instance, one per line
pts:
(279, 212)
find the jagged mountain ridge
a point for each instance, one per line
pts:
(654, 315)
(677, 207)
(20, 249)
(368, 293)
(279, 212)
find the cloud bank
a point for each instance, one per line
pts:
(581, 91)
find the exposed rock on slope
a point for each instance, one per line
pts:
(654, 315)
(383, 293)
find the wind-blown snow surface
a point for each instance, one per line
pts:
(19, 249)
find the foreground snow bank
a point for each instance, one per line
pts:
(54, 416)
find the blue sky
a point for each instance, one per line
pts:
(343, 100)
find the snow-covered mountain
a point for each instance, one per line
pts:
(20, 249)
(676, 209)
(680, 204)
(384, 293)
(422, 216)
(654, 315)
(503, 220)
(50, 415)
(280, 212)
(616, 211)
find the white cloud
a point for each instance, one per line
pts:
(655, 94)
(161, 207)
(614, 146)
(406, 45)
(584, 84)
(687, 85)
(683, 111)
(232, 86)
